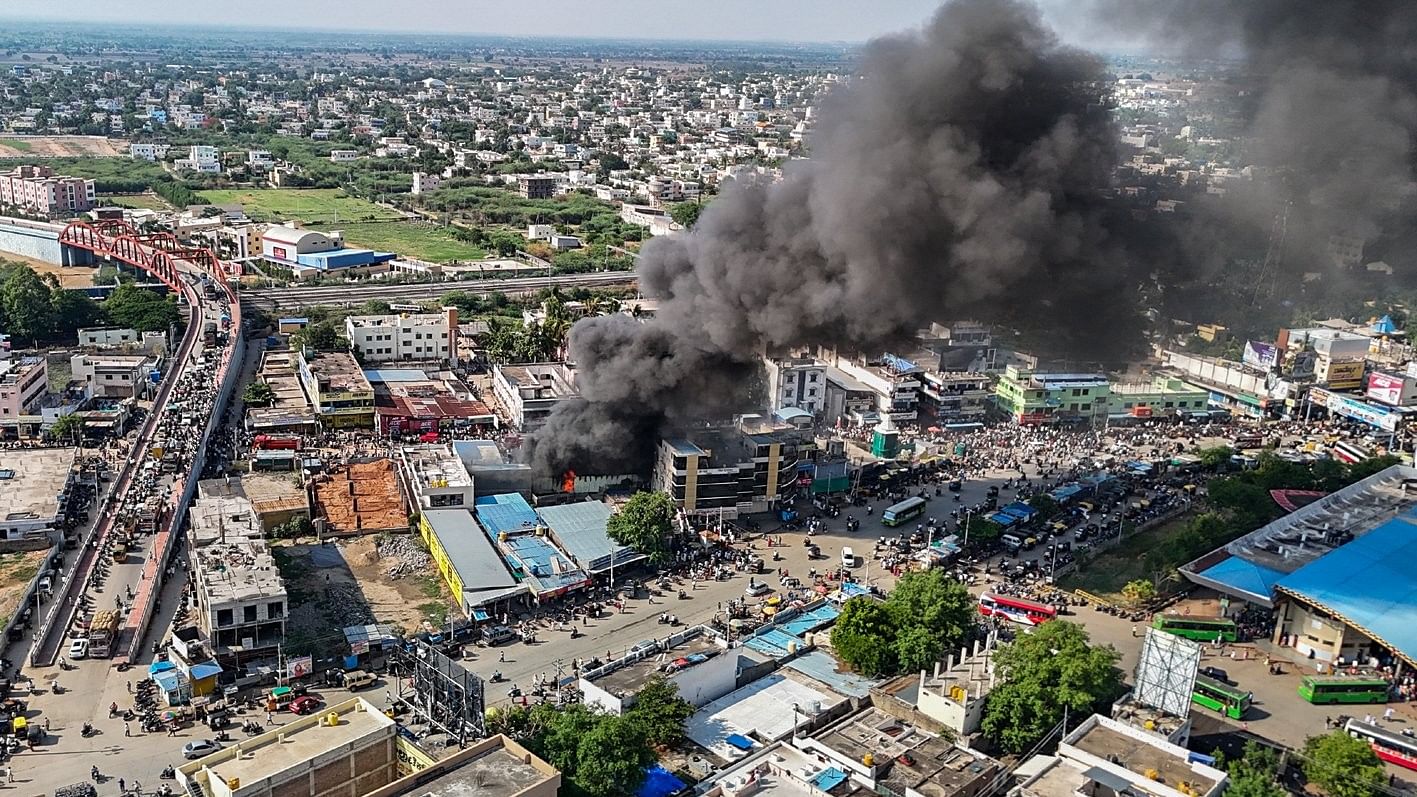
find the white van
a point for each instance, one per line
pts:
(358, 679)
(848, 557)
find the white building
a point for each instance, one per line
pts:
(148, 152)
(411, 337)
(425, 183)
(113, 376)
(344, 155)
(798, 382)
(435, 477)
(242, 603)
(1104, 756)
(202, 159)
(529, 391)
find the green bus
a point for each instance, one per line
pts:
(1214, 695)
(1201, 629)
(903, 511)
(1338, 689)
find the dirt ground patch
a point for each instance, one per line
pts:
(16, 572)
(362, 497)
(61, 147)
(346, 582)
(70, 277)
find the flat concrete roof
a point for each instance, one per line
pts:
(1140, 756)
(293, 745)
(495, 773)
(627, 679)
(32, 480)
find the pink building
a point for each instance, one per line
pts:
(23, 382)
(40, 190)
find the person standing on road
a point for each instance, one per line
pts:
(126, 730)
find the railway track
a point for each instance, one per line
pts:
(293, 298)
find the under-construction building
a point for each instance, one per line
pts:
(241, 602)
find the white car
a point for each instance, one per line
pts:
(79, 649)
(757, 589)
(199, 748)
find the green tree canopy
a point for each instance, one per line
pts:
(864, 636)
(612, 757)
(660, 712)
(258, 394)
(645, 523)
(26, 301)
(68, 428)
(321, 335)
(1342, 766)
(1254, 774)
(925, 614)
(1139, 592)
(686, 213)
(1216, 457)
(140, 309)
(1043, 674)
(74, 310)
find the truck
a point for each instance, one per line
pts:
(209, 333)
(273, 442)
(103, 630)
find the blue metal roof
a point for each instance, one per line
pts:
(580, 528)
(1370, 583)
(507, 512)
(1245, 576)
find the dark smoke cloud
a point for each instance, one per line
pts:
(1335, 111)
(963, 173)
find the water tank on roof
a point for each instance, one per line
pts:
(155, 376)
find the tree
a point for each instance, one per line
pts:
(645, 523)
(28, 312)
(1254, 773)
(864, 637)
(68, 428)
(612, 758)
(686, 213)
(925, 614)
(321, 336)
(1045, 675)
(660, 712)
(1216, 457)
(1139, 592)
(1044, 505)
(74, 310)
(140, 309)
(375, 307)
(1342, 766)
(258, 394)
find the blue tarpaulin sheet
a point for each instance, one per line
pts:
(1003, 519)
(739, 741)
(659, 782)
(1245, 576)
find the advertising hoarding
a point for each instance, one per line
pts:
(1263, 356)
(1396, 391)
(1344, 375)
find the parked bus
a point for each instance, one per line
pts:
(1321, 689)
(1393, 748)
(1228, 700)
(1018, 610)
(903, 511)
(1201, 629)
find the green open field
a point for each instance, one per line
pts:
(139, 201)
(419, 240)
(1112, 569)
(327, 207)
(17, 144)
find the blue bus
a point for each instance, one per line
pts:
(903, 511)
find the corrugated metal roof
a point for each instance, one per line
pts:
(506, 512)
(1370, 583)
(580, 530)
(478, 563)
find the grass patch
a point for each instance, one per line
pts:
(314, 206)
(430, 586)
(17, 144)
(137, 201)
(437, 613)
(420, 240)
(1105, 575)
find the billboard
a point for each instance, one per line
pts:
(1392, 390)
(1264, 356)
(300, 666)
(1344, 375)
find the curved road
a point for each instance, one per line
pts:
(46, 651)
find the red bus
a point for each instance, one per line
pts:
(1393, 748)
(1018, 610)
(276, 442)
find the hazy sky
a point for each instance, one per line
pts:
(775, 20)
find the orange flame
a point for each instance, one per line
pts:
(568, 482)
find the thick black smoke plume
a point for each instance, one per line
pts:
(1332, 109)
(962, 173)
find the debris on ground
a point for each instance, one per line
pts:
(401, 555)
